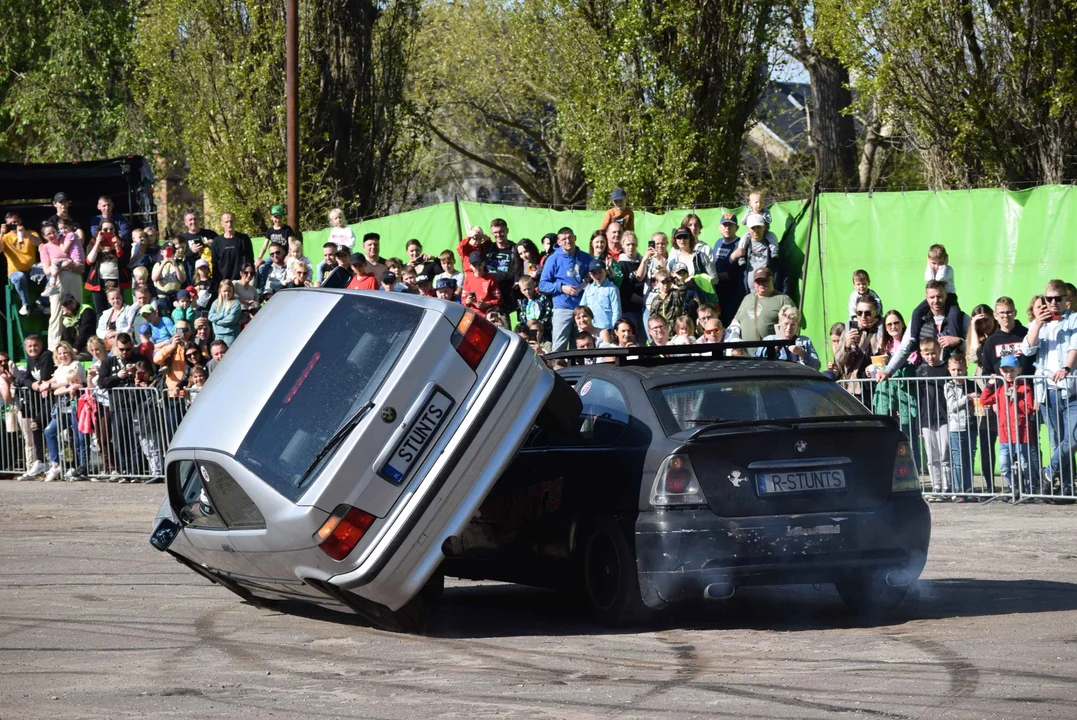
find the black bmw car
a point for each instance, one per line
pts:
(689, 476)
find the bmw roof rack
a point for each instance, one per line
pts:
(654, 354)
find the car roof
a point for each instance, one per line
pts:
(698, 370)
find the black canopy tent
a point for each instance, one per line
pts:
(29, 189)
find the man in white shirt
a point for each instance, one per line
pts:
(1052, 339)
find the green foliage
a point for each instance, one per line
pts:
(212, 85)
(65, 73)
(653, 97)
(986, 91)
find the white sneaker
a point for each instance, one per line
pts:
(70, 474)
(53, 474)
(38, 468)
(24, 310)
(53, 288)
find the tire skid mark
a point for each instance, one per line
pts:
(964, 676)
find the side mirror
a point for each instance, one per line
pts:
(164, 534)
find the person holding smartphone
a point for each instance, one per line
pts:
(1052, 340)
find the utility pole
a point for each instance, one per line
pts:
(291, 102)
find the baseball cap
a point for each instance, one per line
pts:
(617, 194)
(729, 219)
(277, 211)
(147, 310)
(755, 220)
(371, 236)
(445, 282)
(595, 265)
(356, 259)
(475, 257)
(762, 273)
(201, 262)
(1009, 361)
(682, 232)
(680, 267)
(422, 278)
(59, 197)
(182, 294)
(389, 278)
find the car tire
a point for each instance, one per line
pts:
(609, 576)
(562, 408)
(868, 593)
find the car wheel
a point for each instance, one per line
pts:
(869, 594)
(562, 408)
(610, 579)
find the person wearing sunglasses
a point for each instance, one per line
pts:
(1052, 340)
(273, 275)
(861, 340)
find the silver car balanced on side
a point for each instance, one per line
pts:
(344, 438)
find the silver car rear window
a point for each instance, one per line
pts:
(336, 373)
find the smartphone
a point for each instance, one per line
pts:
(650, 243)
(853, 323)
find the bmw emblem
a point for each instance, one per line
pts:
(801, 446)
(388, 414)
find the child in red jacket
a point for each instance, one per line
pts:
(1017, 437)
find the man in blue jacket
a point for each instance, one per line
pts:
(563, 279)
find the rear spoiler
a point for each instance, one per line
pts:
(694, 434)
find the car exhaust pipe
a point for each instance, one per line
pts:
(718, 591)
(898, 578)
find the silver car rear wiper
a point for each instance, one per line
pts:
(331, 444)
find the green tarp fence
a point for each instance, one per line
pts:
(1000, 242)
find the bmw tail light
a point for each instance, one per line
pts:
(906, 478)
(339, 535)
(472, 338)
(676, 484)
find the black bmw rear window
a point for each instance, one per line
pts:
(336, 373)
(682, 407)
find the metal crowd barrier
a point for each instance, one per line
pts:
(955, 435)
(100, 435)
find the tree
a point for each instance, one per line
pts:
(985, 90)
(65, 89)
(489, 80)
(653, 97)
(833, 132)
(212, 79)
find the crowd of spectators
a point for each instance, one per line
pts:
(193, 293)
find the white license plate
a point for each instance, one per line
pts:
(423, 429)
(794, 481)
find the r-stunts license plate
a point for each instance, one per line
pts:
(423, 429)
(795, 481)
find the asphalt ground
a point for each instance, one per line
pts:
(94, 623)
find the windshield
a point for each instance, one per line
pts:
(337, 372)
(681, 407)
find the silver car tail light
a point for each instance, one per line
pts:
(472, 338)
(339, 534)
(676, 485)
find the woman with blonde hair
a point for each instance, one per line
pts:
(225, 313)
(66, 380)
